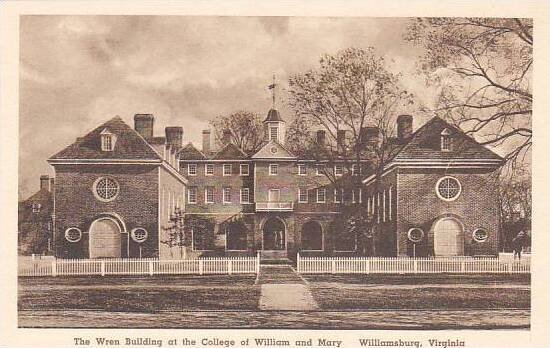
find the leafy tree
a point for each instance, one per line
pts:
(483, 67)
(245, 127)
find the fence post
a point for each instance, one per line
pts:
(415, 266)
(102, 268)
(200, 266)
(229, 266)
(462, 266)
(258, 262)
(54, 268)
(333, 266)
(150, 268)
(298, 262)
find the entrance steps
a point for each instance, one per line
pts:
(275, 257)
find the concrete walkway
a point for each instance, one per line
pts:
(282, 289)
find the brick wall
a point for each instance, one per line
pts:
(76, 205)
(476, 207)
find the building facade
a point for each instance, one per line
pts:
(119, 193)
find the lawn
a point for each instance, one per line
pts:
(139, 294)
(355, 292)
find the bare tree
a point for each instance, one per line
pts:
(351, 92)
(484, 69)
(245, 127)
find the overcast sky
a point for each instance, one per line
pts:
(79, 71)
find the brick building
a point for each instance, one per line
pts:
(118, 189)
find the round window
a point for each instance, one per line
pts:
(415, 235)
(139, 235)
(480, 235)
(106, 189)
(274, 149)
(73, 234)
(448, 188)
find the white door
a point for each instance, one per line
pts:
(274, 195)
(448, 238)
(104, 239)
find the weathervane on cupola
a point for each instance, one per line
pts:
(274, 125)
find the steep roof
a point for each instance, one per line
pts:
(129, 144)
(425, 143)
(230, 151)
(273, 116)
(190, 152)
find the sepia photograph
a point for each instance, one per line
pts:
(275, 172)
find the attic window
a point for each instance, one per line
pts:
(36, 207)
(446, 143)
(108, 140)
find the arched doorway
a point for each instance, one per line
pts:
(312, 236)
(235, 236)
(105, 239)
(448, 238)
(274, 234)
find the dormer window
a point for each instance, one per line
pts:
(36, 207)
(108, 140)
(446, 142)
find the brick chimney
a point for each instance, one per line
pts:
(321, 137)
(143, 124)
(174, 136)
(45, 182)
(226, 137)
(206, 141)
(340, 139)
(404, 127)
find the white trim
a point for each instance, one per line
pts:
(480, 240)
(452, 198)
(317, 166)
(189, 194)
(303, 165)
(224, 195)
(96, 195)
(189, 165)
(384, 205)
(132, 235)
(389, 204)
(274, 165)
(159, 216)
(341, 167)
(414, 240)
(317, 195)
(241, 195)
(247, 169)
(230, 169)
(206, 171)
(103, 161)
(206, 195)
(341, 196)
(73, 241)
(300, 189)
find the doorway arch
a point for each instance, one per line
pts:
(274, 234)
(448, 237)
(105, 238)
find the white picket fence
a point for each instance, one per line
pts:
(403, 265)
(104, 267)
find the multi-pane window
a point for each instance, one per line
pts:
(338, 169)
(106, 142)
(192, 195)
(338, 195)
(209, 169)
(227, 194)
(445, 143)
(227, 169)
(302, 195)
(302, 169)
(321, 195)
(354, 169)
(448, 188)
(320, 169)
(356, 196)
(36, 207)
(209, 194)
(245, 195)
(273, 169)
(192, 169)
(274, 133)
(244, 169)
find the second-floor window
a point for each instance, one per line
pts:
(36, 207)
(338, 169)
(209, 169)
(356, 196)
(227, 194)
(321, 195)
(320, 169)
(245, 195)
(227, 169)
(209, 194)
(273, 169)
(302, 195)
(302, 169)
(338, 195)
(192, 169)
(192, 195)
(244, 169)
(354, 169)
